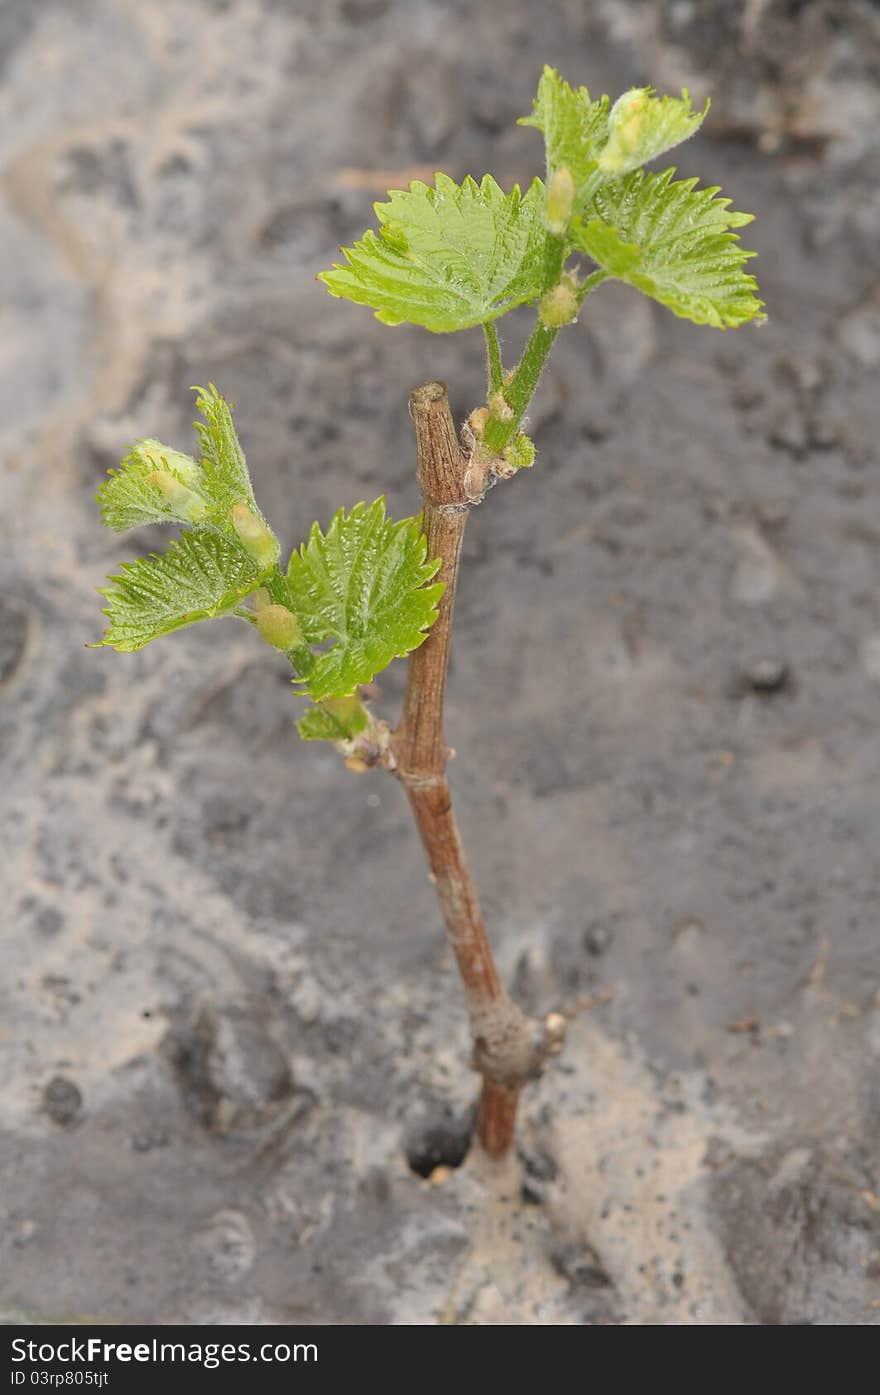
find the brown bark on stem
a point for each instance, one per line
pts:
(509, 1048)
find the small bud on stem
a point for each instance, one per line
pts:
(560, 202)
(279, 627)
(500, 407)
(625, 128)
(256, 537)
(185, 502)
(520, 454)
(560, 306)
(152, 452)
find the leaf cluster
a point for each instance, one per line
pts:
(350, 600)
(453, 256)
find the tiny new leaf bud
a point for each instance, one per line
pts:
(625, 126)
(559, 202)
(185, 502)
(560, 306)
(500, 407)
(260, 543)
(162, 457)
(349, 712)
(477, 421)
(279, 627)
(520, 453)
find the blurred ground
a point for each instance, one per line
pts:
(228, 1010)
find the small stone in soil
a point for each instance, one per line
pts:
(765, 678)
(62, 1101)
(597, 937)
(580, 1265)
(441, 1141)
(768, 676)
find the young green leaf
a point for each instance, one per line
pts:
(447, 258)
(673, 242)
(575, 128)
(642, 126)
(363, 585)
(153, 484)
(200, 575)
(222, 460)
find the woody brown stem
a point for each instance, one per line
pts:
(509, 1048)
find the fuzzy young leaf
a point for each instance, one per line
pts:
(226, 482)
(449, 257)
(574, 127)
(673, 242)
(595, 143)
(363, 585)
(222, 460)
(642, 126)
(153, 484)
(200, 575)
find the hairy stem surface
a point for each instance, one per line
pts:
(494, 365)
(521, 389)
(509, 1048)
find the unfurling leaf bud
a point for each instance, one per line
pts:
(477, 421)
(162, 457)
(256, 537)
(559, 202)
(520, 454)
(560, 306)
(279, 627)
(625, 123)
(349, 712)
(184, 502)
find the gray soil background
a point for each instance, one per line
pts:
(229, 1019)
